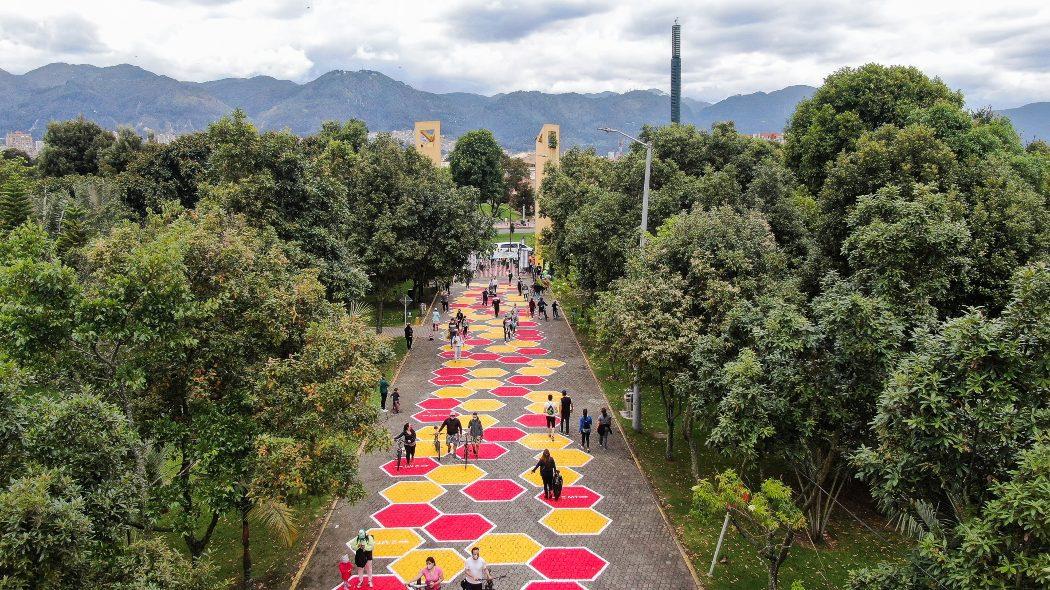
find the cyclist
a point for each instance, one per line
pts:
(452, 427)
(431, 576)
(476, 571)
(477, 431)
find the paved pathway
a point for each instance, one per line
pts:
(606, 531)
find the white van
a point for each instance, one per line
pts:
(509, 250)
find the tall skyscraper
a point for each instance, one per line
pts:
(676, 72)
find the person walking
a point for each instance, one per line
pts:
(464, 326)
(604, 426)
(532, 308)
(452, 427)
(409, 333)
(444, 302)
(585, 430)
(485, 297)
(363, 545)
(550, 413)
(346, 570)
(476, 431)
(510, 276)
(384, 388)
(566, 411)
(435, 321)
(543, 309)
(546, 466)
(395, 401)
(477, 571)
(521, 286)
(495, 305)
(408, 433)
(506, 327)
(457, 345)
(554, 308)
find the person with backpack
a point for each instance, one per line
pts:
(604, 426)
(585, 431)
(363, 545)
(566, 411)
(547, 468)
(548, 410)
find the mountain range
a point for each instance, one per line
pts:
(129, 95)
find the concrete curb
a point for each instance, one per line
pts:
(638, 464)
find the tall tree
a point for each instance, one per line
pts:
(15, 207)
(76, 146)
(477, 161)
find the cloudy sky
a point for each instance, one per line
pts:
(998, 52)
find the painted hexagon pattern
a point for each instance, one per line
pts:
(568, 563)
(458, 527)
(494, 490)
(406, 515)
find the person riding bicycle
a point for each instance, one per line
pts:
(452, 427)
(476, 431)
(431, 575)
(476, 571)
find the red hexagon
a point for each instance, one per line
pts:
(431, 416)
(568, 563)
(527, 324)
(485, 356)
(479, 341)
(486, 452)
(503, 434)
(510, 391)
(406, 515)
(420, 466)
(449, 371)
(548, 585)
(438, 403)
(534, 351)
(536, 338)
(529, 333)
(514, 359)
(573, 497)
(526, 380)
(535, 420)
(450, 380)
(388, 582)
(493, 490)
(458, 527)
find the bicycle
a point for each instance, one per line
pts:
(399, 450)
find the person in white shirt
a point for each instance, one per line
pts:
(477, 571)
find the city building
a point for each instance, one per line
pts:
(676, 72)
(548, 151)
(20, 140)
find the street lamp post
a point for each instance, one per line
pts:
(636, 411)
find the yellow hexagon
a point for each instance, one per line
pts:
(394, 542)
(500, 348)
(541, 396)
(549, 363)
(569, 457)
(448, 348)
(486, 420)
(481, 405)
(491, 335)
(536, 371)
(408, 566)
(498, 322)
(539, 407)
(424, 434)
(461, 363)
(569, 476)
(521, 344)
(506, 548)
(488, 372)
(456, 475)
(482, 383)
(412, 492)
(575, 521)
(456, 392)
(537, 442)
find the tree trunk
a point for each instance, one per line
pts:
(379, 315)
(246, 554)
(774, 573)
(694, 457)
(669, 453)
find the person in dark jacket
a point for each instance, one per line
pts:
(408, 336)
(409, 434)
(546, 466)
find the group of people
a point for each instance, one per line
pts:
(430, 577)
(560, 414)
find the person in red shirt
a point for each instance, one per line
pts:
(346, 569)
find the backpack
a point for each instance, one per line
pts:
(550, 409)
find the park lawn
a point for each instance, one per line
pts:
(530, 239)
(852, 547)
(394, 309)
(502, 212)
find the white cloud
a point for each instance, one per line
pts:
(996, 52)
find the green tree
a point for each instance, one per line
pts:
(121, 153)
(477, 161)
(72, 234)
(850, 102)
(766, 519)
(518, 190)
(15, 208)
(76, 146)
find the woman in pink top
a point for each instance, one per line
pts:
(431, 575)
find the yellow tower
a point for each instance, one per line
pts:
(548, 151)
(427, 138)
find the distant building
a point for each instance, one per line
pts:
(20, 140)
(676, 72)
(770, 136)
